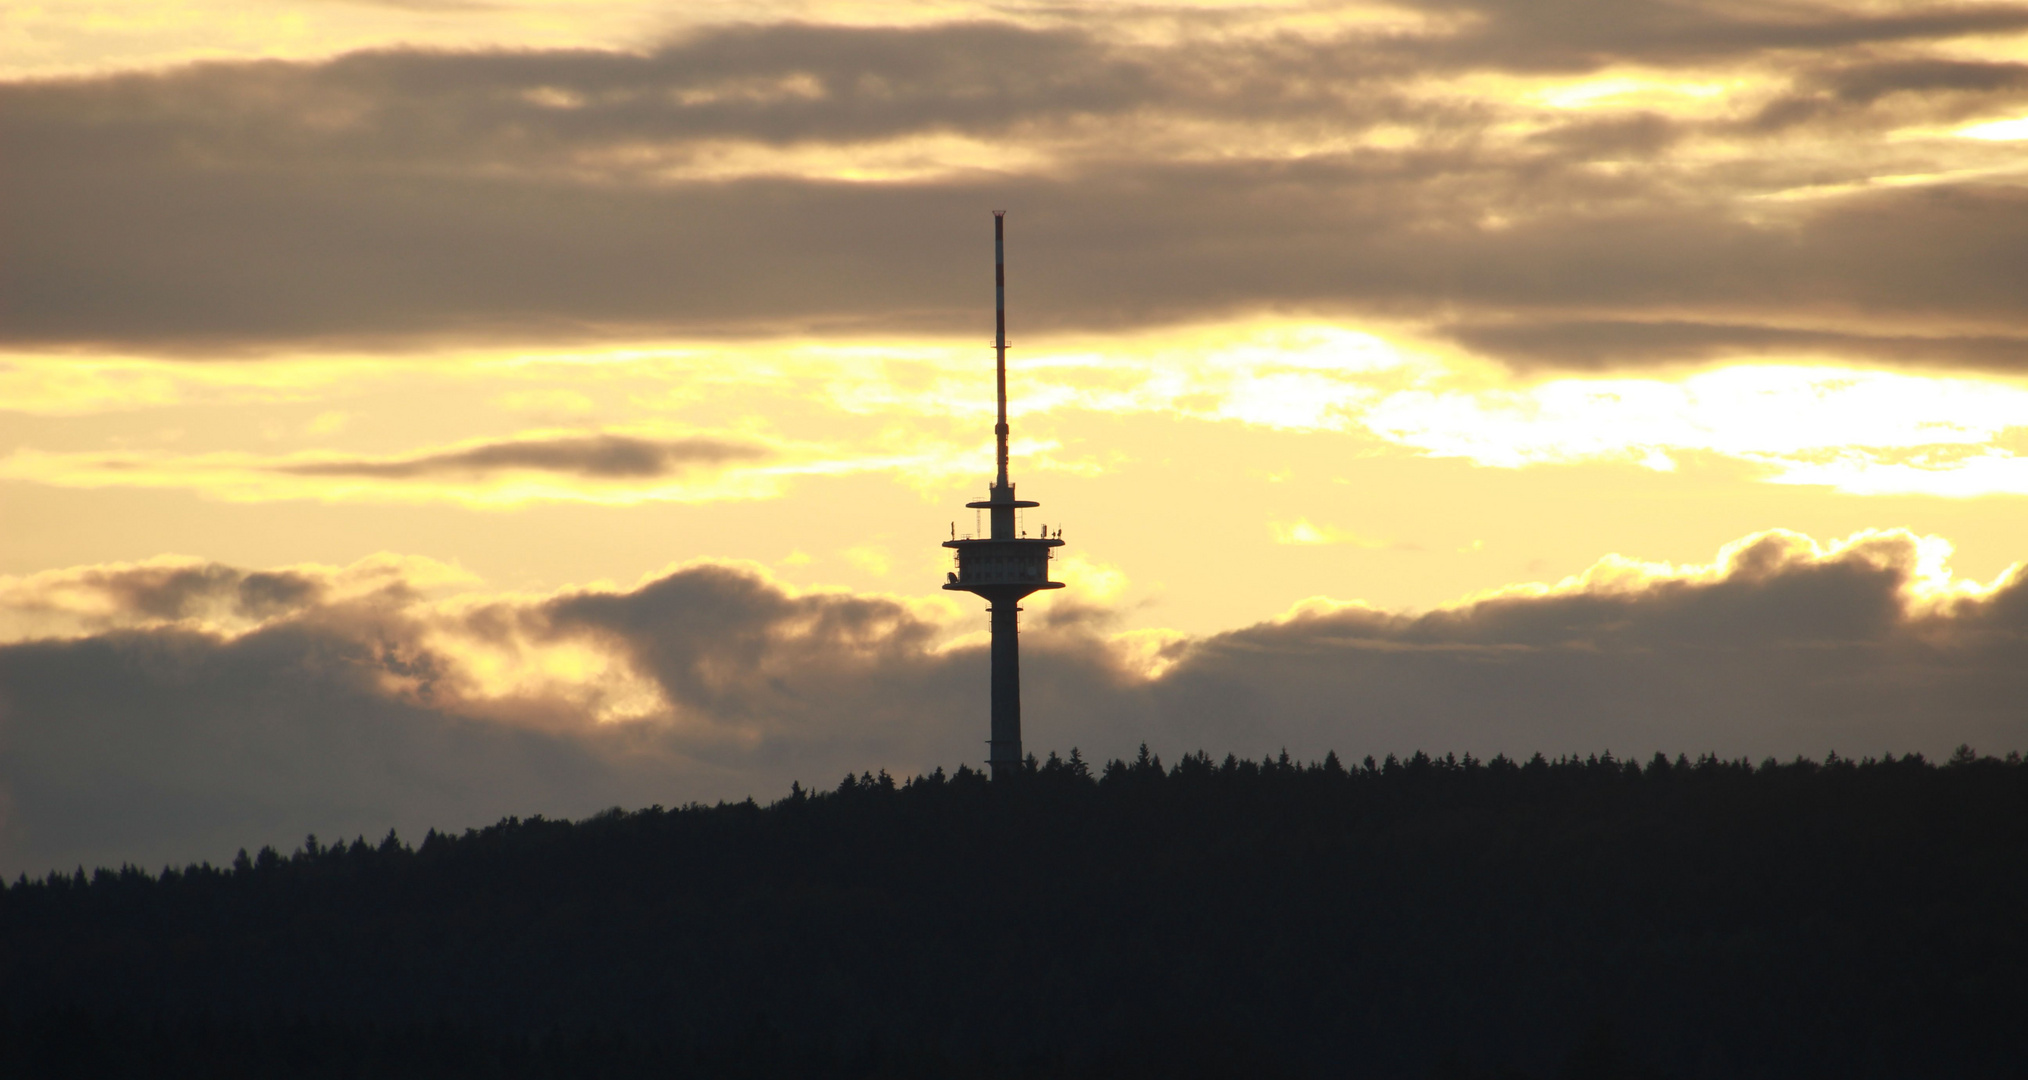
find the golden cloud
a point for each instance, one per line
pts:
(912, 411)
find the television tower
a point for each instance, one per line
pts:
(1006, 564)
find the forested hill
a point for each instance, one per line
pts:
(1428, 917)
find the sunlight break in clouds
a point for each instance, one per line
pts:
(1997, 130)
(1301, 531)
(1923, 562)
(1862, 432)
(1856, 430)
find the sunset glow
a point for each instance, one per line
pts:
(611, 370)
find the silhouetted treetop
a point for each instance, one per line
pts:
(1225, 916)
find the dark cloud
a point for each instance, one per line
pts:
(595, 456)
(1851, 100)
(425, 5)
(351, 717)
(1582, 35)
(727, 646)
(188, 591)
(779, 84)
(170, 593)
(1867, 83)
(1604, 344)
(1621, 137)
(264, 594)
(404, 196)
(201, 261)
(1783, 654)
(176, 745)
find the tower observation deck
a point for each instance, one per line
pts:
(1006, 564)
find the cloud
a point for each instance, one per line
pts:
(1781, 646)
(1868, 82)
(400, 706)
(1860, 431)
(368, 708)
(598, 456)
(1483, 168)
(201, 594)
(174, 592)
(1581, 344)
(428, 5)
(1442, 33)
(1304, 531)
(1910, 272)
(608, 468)
(730, 650)
(1586, 34)
(173, 744)
(1855, 429)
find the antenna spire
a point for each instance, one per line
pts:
(1000, 340)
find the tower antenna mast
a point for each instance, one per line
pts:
(1003, 566)
(1000, 342)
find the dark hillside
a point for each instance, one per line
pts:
(1420, 918)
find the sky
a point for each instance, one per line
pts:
(415, 412)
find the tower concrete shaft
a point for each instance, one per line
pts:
(1003, 752)
(1006, 564)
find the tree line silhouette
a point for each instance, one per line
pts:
(1418, 917)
